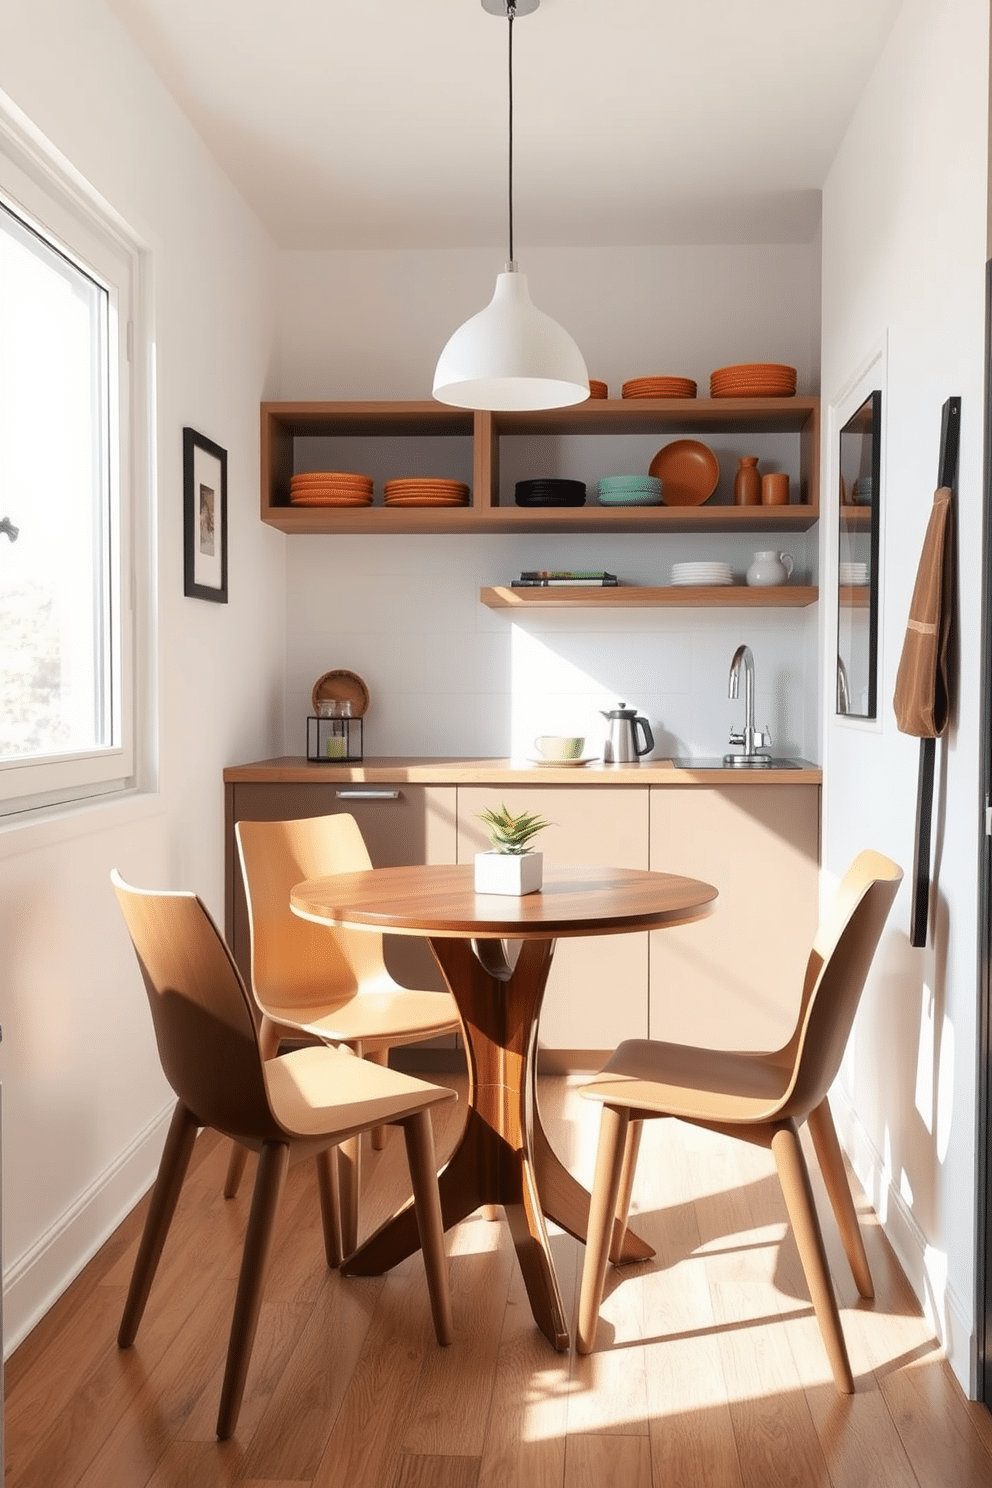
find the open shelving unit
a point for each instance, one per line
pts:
(459, 437)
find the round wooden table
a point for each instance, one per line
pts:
(503, 1156)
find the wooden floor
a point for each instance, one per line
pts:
(709, 1371)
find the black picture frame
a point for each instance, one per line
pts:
(204, 518)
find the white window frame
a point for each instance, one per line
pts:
(43, 189)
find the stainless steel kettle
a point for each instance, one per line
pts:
(621, 746)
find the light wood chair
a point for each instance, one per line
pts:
(299, 1105)
(760, 1097)
(326, 984)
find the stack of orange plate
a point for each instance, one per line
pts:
(330, 488)
(753, 380)
(598, 389)
(659, 387)
(425, 491)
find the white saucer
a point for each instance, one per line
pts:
(563, 764)
(702, 583)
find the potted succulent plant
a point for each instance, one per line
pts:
(511, 866)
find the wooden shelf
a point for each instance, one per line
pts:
(632, 596)
(384, 520)
(665, 416)
(477, 436)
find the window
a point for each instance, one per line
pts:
(66, 627)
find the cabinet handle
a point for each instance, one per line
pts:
(367, 795)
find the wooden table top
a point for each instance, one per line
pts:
(440, 900)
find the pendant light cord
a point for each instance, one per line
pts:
(511, 10)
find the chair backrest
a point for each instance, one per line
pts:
(296, 964)
(200, 1009)
(838, 965)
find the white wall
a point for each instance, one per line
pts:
(904, 224)
(447, 675)
(82, 1092)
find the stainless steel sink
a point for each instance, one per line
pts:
(740, 762)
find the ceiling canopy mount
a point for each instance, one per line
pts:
(501, 7)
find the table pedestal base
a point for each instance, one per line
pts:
(503, 1156)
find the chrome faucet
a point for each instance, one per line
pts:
(749, 736)
(843, 688)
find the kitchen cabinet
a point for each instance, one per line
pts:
(401, 823)
(490, 451)
(596, 992)
(734, 979)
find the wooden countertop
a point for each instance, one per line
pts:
(430, 770)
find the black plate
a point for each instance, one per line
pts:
(551, 500)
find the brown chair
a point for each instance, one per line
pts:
(761, 1098)
(326, 984)
(299, 1105)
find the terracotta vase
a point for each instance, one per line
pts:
(747, 482)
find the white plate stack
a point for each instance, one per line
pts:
(853, 575)
(701, 575)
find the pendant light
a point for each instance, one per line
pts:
(511, 355)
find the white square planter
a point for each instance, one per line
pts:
(508, 873)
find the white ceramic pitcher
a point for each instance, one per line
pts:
(770, 568)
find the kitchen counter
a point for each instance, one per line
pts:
(429, 770)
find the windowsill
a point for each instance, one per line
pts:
(48, 826)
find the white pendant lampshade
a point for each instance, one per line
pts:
(511, 355)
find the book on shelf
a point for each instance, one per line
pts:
(565, 573)
(565, 584)
(563, 578)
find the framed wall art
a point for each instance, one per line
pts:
(204, 517)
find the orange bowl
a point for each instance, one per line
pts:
(688, 470)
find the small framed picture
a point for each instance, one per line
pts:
(204, 517)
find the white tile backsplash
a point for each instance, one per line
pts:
(449, 676)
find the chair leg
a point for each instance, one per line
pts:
(419, 1134)
(235, 1170)
(349, 1181)
(330, 1205)
(798, 1193)
(831, 1160)
(602, 1210)
(631, 1148)
(273, 1164)
(380, 1134)
(165, 1195)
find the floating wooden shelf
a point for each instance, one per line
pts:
(470, 519)
(633, 596)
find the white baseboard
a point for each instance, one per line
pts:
(33, 1282)
(950, 1318)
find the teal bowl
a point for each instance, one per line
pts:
(630, 483)
(631, 497)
